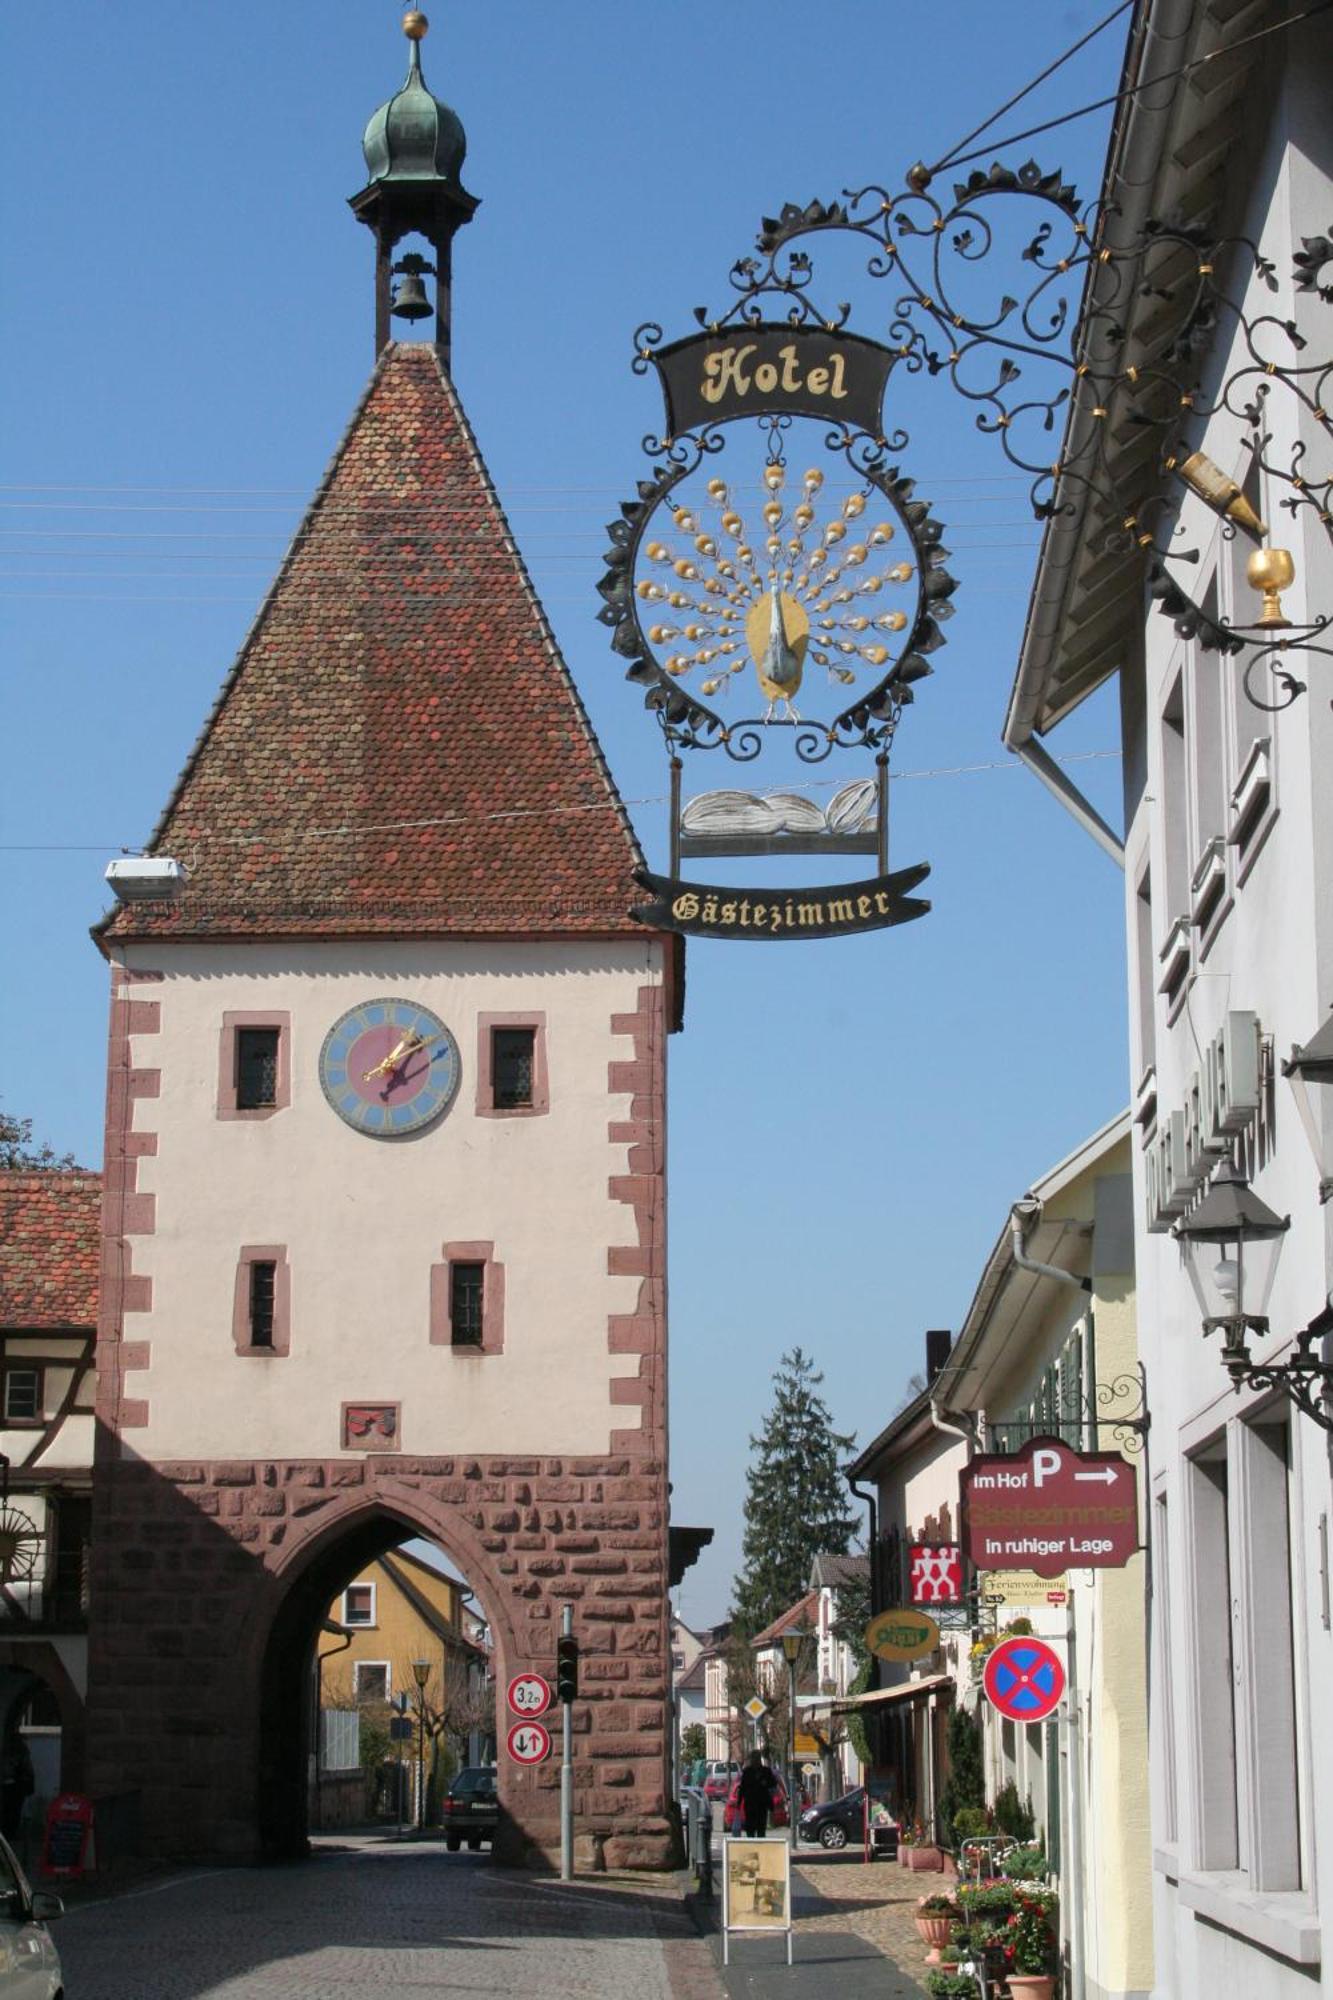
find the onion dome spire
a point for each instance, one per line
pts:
(414, 148)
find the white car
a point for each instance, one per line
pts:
(29, 1962)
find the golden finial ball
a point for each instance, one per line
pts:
(415, 24)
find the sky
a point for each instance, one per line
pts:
(186, 328)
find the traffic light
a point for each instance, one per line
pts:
(567, 1668)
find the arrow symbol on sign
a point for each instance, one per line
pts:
(1106, 1477)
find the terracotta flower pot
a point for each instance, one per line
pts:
(933, 1931)
(1031, 1985)
(925, 1856)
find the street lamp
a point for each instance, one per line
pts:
(1231, 1245)
(791, 1646)
(421, 1674)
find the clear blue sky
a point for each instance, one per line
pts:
(187, 327)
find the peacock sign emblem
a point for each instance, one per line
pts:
(777, 588)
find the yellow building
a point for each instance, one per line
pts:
(396, 1613)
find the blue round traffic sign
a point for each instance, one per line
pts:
(1024, 1680)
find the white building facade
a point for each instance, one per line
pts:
(1228, 853)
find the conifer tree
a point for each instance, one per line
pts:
(796, 1497)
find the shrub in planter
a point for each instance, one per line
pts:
(1025, 1864)
(992, 1902)
(970, 1821)
(935, 1917)
(1030, 1935)
(1014, 1815)
(953, 1986)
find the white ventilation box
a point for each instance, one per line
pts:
(145, 878)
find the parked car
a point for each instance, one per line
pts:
(29, 1962)
(732, 1820)
(835, 1824)
(719, 1779)
(471, 1808)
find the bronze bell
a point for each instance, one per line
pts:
(409, 298)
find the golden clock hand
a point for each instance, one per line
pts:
(392, 1060)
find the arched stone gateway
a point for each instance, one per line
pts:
(385, 1196)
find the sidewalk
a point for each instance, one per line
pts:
(854, 1937)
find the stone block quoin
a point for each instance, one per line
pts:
(127, 1212)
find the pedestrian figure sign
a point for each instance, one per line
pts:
(1024, 1680)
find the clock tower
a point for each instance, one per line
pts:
(384, 1227)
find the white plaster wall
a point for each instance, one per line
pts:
(363, 1220)
(1273, 954)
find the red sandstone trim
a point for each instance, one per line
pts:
(541, 1085)
(125, 1211)
(643, 1189)
(263, 1253)
(282, 1095)
(492, 1299)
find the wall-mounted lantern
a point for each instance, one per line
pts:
(1312, 1064)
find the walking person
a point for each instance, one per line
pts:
(756, 1795)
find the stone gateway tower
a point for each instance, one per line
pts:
(384, 1223)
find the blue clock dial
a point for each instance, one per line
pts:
(388, 1067)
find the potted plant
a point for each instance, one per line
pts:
(935, 1917)
(921, 1851)
(1030, 1938)
(953, 1985)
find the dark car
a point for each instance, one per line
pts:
(471, 1808)
(840, 1821)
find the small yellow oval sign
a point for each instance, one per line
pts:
(904, 1634)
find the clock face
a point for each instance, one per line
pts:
(388, 1067)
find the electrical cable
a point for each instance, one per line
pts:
(527, 812)
(1137, 89)
(948, 158)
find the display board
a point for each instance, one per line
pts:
(756, 1888)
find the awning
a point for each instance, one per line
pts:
(905, 1691)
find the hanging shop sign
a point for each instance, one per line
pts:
(935, 1573)
(777, 555)
(902, 1634)
(1223, 1101)
(836, 911)
(753, 371)
(1047, 1508)
(1024, 1679)
(1013, 1587)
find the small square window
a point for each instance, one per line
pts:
(466, 1300)
(372, 1680)
(512, 1065)
(256, 1068)
(23, 1395)
(359, 1604)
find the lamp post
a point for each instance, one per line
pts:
(421, 1674)
(791, 1646)
(1231, 1245)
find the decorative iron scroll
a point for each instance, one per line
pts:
(1119, 1406)
(948, 319)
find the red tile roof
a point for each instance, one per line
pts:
(50, 1222)
(400, 681)
(802, 1613)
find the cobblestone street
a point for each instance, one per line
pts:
(395, 1922)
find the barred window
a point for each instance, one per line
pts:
(263, 1290)
(23, 1395)
(512, 1052)
(466, 1289)
(256, 1068)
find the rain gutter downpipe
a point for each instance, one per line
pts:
(1062, 788)
(1020, 1215)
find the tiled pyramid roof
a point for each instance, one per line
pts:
(50, 1223)
(399, 748)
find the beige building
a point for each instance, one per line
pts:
(1049, 1348)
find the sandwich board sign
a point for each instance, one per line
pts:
(756, 1888)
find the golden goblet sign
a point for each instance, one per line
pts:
(1272, 571)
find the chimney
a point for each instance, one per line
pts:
(938, 1342)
